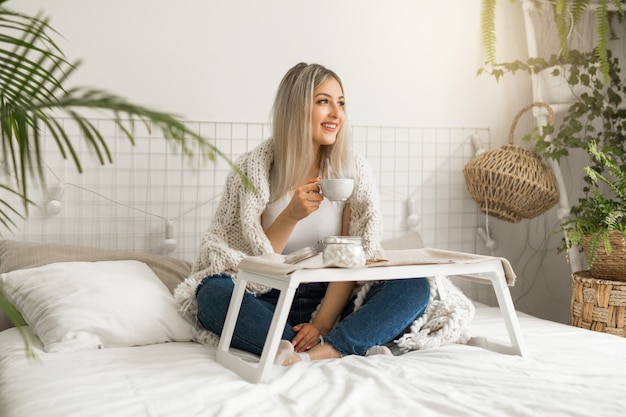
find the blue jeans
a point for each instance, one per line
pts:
(388, 309)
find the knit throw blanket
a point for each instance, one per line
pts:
(445, 321)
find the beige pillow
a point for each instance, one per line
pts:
(16, 255)
(412, 240)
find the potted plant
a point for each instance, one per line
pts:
(596, 124)
(594, 121)
(599, 222)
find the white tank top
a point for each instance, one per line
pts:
(326, 221)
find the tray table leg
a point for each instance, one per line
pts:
(509, 316)
(507, 308)
(254, 371)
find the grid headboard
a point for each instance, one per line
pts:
(151, 191)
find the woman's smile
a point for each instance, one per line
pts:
(328, 113)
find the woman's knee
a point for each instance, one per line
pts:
(412, 293)
(410, 288)
(420, 287)
(214, 287)
(213, 297)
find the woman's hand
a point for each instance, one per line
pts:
(307, 336)
(305, 200)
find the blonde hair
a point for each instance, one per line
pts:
(292, 131)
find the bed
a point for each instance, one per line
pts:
(108, 340)
(141, 370)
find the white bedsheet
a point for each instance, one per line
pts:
(568, 372)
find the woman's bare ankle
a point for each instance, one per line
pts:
(325, 351)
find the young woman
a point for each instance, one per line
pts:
(283, 212)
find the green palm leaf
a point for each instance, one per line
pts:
(33, 72)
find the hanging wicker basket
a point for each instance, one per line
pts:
(512, 183)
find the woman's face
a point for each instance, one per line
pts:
(328, 112)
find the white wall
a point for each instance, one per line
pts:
(403, 63)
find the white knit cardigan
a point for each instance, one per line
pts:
(236, 232)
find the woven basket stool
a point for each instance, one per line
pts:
(598, 304)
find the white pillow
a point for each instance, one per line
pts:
(74, 306)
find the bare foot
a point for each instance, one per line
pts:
(285, 351)
(325, 351)
(286, 356)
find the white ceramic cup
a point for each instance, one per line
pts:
(337, 188)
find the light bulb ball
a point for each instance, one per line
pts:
(491, 244)
(54, 207)
(562, 213)
(169, 245)
(413, 220)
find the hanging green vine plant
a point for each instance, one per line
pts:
(488, 30)
(567, 15)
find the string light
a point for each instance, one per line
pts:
(490, 243)
(169, 244)
(55, 195)
(478, 144)
(412, 220)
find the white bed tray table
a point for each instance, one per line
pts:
(271, 271)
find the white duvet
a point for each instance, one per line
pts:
(568, 372)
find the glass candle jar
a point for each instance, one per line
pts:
(343, 251)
